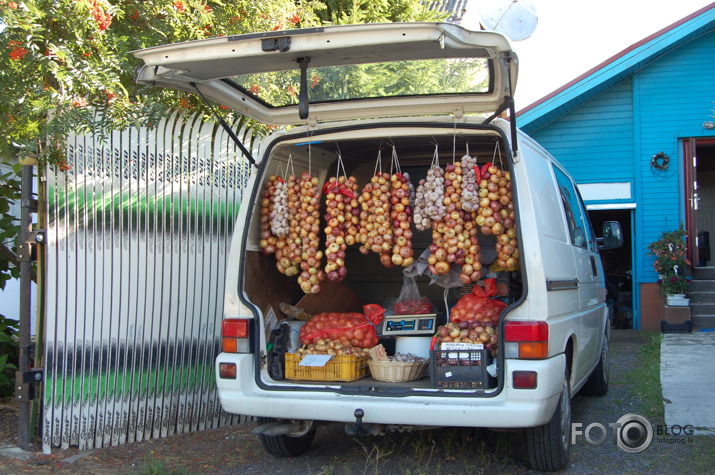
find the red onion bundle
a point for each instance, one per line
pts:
(496, 214)
(375, 227)
(342, 218)
(447, 247)
(308, 235)
(471, 263)
(401, 220)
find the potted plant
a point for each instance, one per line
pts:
(673, 288)
(671, 264)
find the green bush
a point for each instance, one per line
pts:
(8, 355)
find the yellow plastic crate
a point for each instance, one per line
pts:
(340, 368)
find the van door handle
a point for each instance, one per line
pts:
(594, 268)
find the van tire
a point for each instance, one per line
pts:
(597, 382)
(549, 445)
(285, 445)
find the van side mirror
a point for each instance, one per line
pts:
(612, 236)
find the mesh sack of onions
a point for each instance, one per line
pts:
(342, 218)
(268, 236)
(496, 216)
(306, 229)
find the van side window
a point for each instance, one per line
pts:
(577, 222)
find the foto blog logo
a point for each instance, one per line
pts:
(632, 433)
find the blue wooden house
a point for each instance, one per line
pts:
(637, 132)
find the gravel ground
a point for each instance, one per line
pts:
(233, 450)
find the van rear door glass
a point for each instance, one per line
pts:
(373, 80)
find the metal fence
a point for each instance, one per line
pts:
(139, 228)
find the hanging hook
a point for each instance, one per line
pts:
(454, 140)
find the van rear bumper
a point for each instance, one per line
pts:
(511, 408)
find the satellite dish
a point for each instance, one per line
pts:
(516, 19)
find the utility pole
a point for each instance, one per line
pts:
(25, 376)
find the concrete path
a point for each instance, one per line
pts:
(687, 375)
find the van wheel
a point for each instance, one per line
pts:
(286, 445)
(597, 382)
(549, 445)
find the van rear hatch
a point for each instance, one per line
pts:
(328, 74)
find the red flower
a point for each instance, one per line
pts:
(102, 18)
(208, 9)
(279, 26)
(314, 81)
(179, 5)
(109, 95)
(63, 165)
(295, 19)
(226, 108)
(255, 89)
(79, 103)
(12, 5)
(292, 90)
(184, 103)
(18, 53)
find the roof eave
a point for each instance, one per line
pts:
(615, 69)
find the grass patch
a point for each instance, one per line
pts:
(644, 380)
(702, 454)
(156, 466)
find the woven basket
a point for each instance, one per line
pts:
(397, 371)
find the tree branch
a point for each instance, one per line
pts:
(7, 254)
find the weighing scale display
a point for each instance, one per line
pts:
(409, 324)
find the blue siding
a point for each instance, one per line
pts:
(676, 94)
(613, 137)
(595, 141)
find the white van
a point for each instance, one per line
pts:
(355, 101)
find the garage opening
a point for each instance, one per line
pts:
(618, 267)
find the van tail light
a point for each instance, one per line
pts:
(524, 379)
(526, 340)
(227, 370)
(234, 336)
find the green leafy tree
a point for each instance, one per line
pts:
(66, 65)
(341, 12)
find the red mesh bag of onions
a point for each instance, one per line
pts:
(479, 305)
(350, 329)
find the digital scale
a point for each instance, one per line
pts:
(401, 325)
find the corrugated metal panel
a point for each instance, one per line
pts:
(138, 233)
(451, 6)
